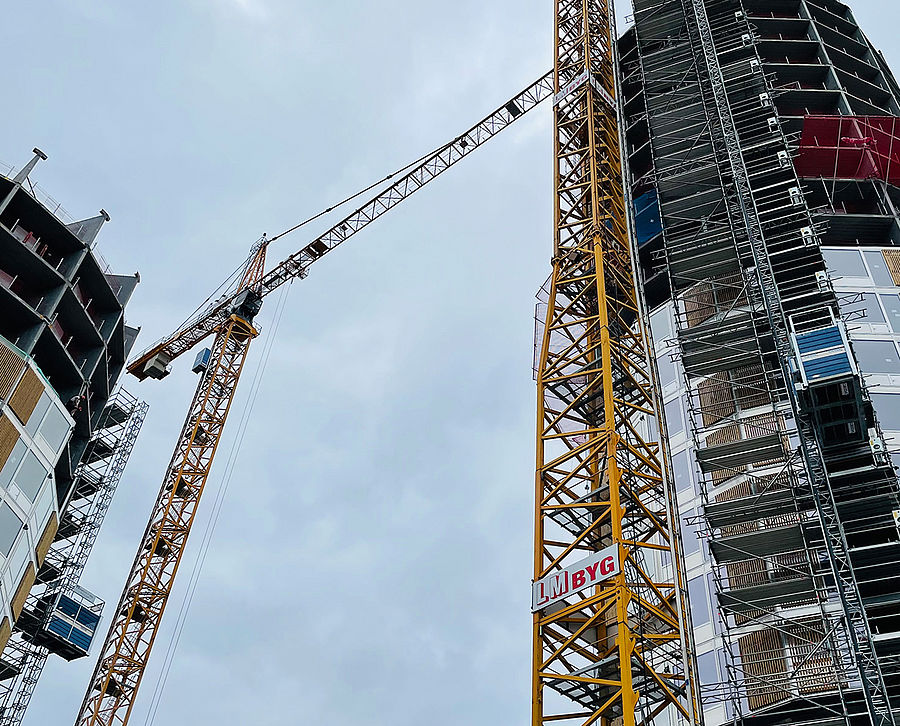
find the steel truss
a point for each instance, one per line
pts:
(96, 480)
(118, 673)
(616, 652)
(744, 270)
(123, 660)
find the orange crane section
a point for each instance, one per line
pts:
(612, 631)
(114, 684)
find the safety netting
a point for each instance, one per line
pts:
(850, 147)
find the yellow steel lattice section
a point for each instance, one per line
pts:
(615, 651)
(122, 662)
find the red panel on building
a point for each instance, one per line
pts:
(850, 147)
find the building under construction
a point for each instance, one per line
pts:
(764, 156)
(66, 432)
(725, 204)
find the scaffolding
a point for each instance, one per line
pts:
(56, 599)
(782, 424)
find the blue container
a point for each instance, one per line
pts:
(201, 362)
(72, 626)
(647, 217)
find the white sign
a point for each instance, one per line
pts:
(571, 86)
(603, 94)
(559, 585)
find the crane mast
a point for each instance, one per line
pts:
(120, 668)
(117, 676)
(611, 641)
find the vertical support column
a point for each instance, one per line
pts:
(135, 622)
(611, 630)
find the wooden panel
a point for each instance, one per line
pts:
(716, 399)
(11, 365)
(707, 299)
(18, 601)
(43, 545)
(892, 259)
(725, 435)
(816, 672)
(763, 425)
(5, 632)
(750, 386)
(26, 395)
(762, 657)
(9, 435)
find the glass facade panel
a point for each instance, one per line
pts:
(681, 467)
(38, 414)
(661, 325)
(887, 408)
(674, 417)
(864, 310)
(689, 534)
(12, 463)
(707, 669)
(54, 429)
(892, 307)
(878, 268)
(31, 475)
(845, 263)
(877, 356)
(10, 526)
(698, 601)
(667, 370)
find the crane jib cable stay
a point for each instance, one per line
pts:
(114, 684)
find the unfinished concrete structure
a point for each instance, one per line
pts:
(753, 145)
(65, 433)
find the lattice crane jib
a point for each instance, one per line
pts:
(123, 659)
(611, 632)
(121, 665)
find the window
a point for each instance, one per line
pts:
(867, 310)
(699, 603)
(10, 526)
(661, 325)
(674, 417)
(887, 408)
(845, 263)
(707, 669)
(877, 356)
(892, 306)
(667, 370)
(31, 476)
(689, 534)
(649, 428)
(55, 429)
(12, 463)
(38, 414)
(879, 269)
(681, 469)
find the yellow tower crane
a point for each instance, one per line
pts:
(123, 659)
(611, 628)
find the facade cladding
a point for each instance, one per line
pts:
(764, 161)
(64, 432)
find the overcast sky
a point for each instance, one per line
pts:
(372, 560)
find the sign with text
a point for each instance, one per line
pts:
(589, 572)
(571, 86)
